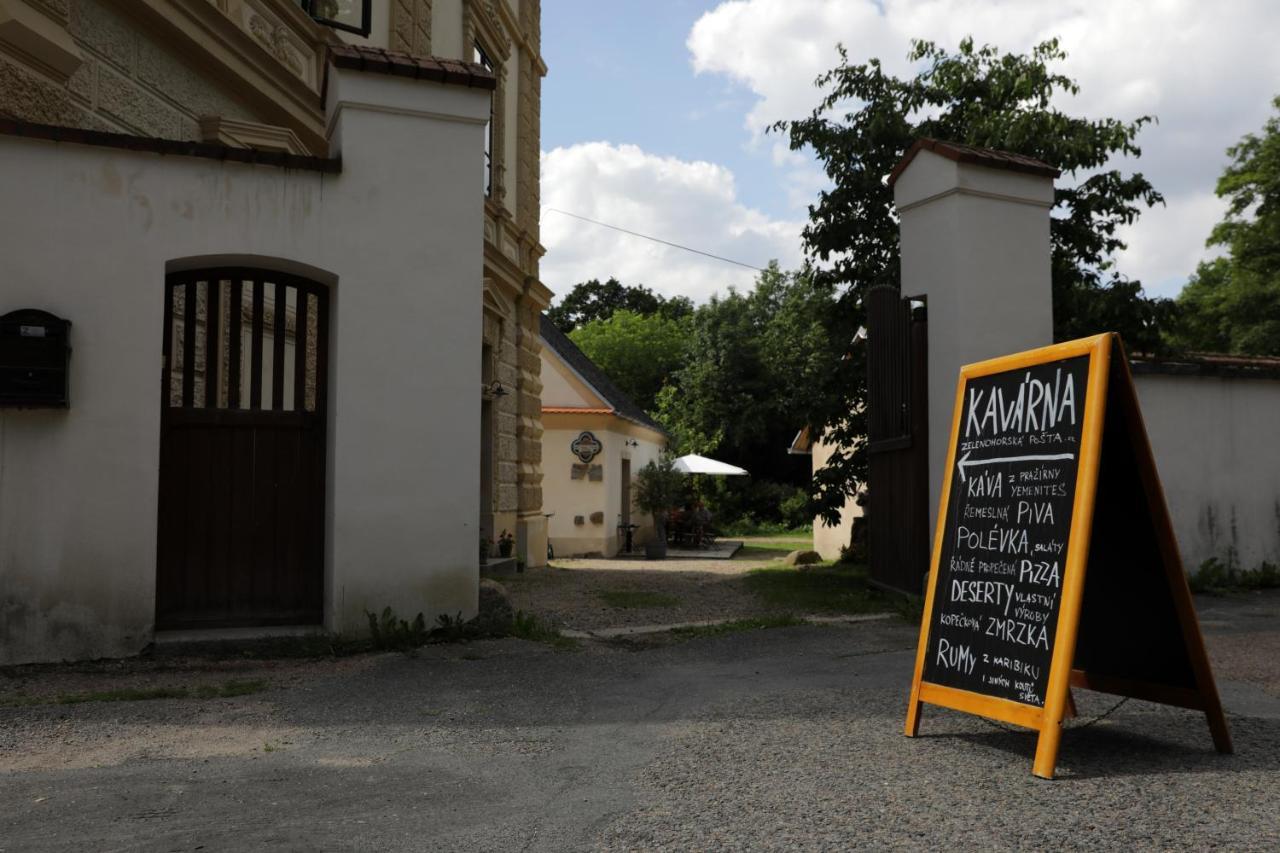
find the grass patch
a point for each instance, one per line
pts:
(527, 626)
(746, 527)
(828, 589)
(636, 599)
(736, 626)
(225, 690)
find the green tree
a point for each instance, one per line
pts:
(591, 300)
(756, 360)
(636, 351)
(1232, 303)
(864, 124)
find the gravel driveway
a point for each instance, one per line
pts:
(571, 592)
(764, 740)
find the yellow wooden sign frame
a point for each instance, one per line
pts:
(1058, 701)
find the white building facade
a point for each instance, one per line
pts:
(275, 333)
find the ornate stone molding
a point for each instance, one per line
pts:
(36, 34)
(221, 36)
(283, 36)
(250, 134)
(411, 26)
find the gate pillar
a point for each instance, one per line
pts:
(974, 228)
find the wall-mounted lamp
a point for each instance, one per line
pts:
(632, 443)
(496, 389)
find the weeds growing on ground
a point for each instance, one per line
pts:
(1216, 576)
(225, 690)
(387, 633)
(527, 626)
(696, 631)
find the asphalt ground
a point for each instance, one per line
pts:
(787, 738)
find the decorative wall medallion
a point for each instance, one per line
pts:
(586, 446)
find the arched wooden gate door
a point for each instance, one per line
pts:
(242, 450)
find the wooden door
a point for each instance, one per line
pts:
(897, 441)
(242, 450)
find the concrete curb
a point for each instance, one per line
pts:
(635, 630)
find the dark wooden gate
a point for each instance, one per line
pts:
(897, 432)
(242, 450)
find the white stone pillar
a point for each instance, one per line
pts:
(406, 216)
(975, 242)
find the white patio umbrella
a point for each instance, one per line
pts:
(695, 464)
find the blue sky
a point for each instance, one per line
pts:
(654, 116)
(620, 72)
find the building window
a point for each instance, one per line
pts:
(482, 58)
(354, 16)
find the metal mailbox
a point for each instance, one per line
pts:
(35, 354)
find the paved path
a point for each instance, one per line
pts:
(780, 739)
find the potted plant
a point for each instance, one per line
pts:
(506, 542)
(658, 487)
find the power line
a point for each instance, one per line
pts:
(655, 239)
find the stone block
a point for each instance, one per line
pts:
(802, 558)
(33, 98)
(106, 32)
(125, 101)
(83, 83)
(198, 95)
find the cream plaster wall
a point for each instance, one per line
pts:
(398, 238)
(567, 497)
(828, 541)
(446, 31)
(1215, 446)
(561, 387)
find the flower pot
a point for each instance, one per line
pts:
(505, 548)
(656, 547)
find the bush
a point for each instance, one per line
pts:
(742, 505)
(1214, 575)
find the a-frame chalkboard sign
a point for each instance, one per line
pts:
(1054, 561)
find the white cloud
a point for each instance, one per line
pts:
(1207, 70)
(694, 204)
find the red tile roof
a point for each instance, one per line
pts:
(379, 61)
(576, 410)
(978, 156)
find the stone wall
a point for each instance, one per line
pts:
(128, 82)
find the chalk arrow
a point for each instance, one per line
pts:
(1046, 457)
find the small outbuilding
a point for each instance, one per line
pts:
(594, 441)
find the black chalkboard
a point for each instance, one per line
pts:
(1007, 530)
(1055, 563)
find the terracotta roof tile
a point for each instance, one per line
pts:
(379, 61)
(1208, 364)
(988, 157)
(576, 410)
